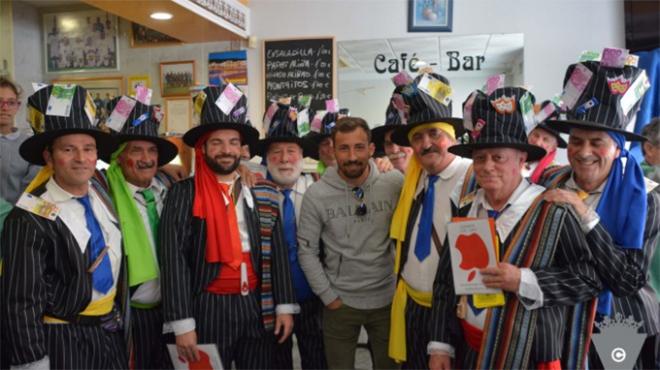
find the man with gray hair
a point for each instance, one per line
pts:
(651, 150)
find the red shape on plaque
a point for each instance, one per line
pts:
(473, 252)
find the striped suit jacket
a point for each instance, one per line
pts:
(185, 273)
(45, 273)
(569, 279)
(624, 271)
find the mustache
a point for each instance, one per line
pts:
(348, 163)
(431, 149)
(145, 165)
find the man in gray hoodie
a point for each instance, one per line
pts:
(345, 249)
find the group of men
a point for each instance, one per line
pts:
(103, 269)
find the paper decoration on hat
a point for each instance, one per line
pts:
(504, 104)
(545, 112)
(303, 123)
(316, 121)
(589, 56)
(199, 102)
(635, 92)
(270, 112)
(632, 60)
(576, 85)
(36, 119)
(304, 101)
(402, 79)
(157, 113)
(143, 94)
(618, 85)
(36, 86)
(493, 83)
(613, 57)
(59, 102)
(527, 110)
(90, 109)
(476, 130)
(332, 106)
(120, 114)
(435, 88)
(229, 98)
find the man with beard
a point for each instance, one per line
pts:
(619, 213)
(225, 273)
(350, 209)
(284, 150)
(138, 191)
(419, 222)
(62, 284)
(381, 136)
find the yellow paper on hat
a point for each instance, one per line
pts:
(199, 102)
(90, 109)
(36, 119)
(440, 91)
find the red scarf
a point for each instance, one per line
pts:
(543, 163)
(223, 242)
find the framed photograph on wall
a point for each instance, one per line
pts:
(80, 41)
(178, 115)
(430, 15)
(134, 81)
(144, 37)
(102, 89)
(176, 78)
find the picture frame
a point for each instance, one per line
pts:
(228, 67)
(178, 114)
(176, 78)
(102, 90)
(133, 81)
(144, 37)
(80, 41)
(430, 15)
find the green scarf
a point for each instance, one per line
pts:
(320, 168)
(141, 261)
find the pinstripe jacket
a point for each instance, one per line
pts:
(624, 271)
(569, 279)
(185, 273)
(45, 273)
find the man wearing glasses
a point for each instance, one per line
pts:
(419, 223)
(350, 208)
(16, 173)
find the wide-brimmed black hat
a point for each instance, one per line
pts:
(424, 109)
(599, 107)
(213, 118)
(284, 129)
(142, 124)
(393, 119)
(561, 143)
(499, 123)
(315, 138)
(46, 127)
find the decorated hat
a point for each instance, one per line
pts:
(609, 98)
(315, 138)
(393, 119)
(50, 119)
(142, 124)
(424, 108)
(552, 114)
(283, 128)
(211, 117)
(498, 122)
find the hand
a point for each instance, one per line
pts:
(383, 164)
(504, 276)
(334, 304)
(186, 346)
(283, 326)
(175, 171)
(562, 196)
(248, 178)
(439, 361)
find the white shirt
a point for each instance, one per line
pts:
(149, 291)
(421, 274)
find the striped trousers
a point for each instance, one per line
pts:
(149, 342)
(307, 329)
(73, 346)
(418, 335)
(234, 323)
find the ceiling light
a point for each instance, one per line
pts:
(161, 16)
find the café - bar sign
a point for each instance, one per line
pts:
(410, 62)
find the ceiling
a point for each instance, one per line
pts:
(501, 52)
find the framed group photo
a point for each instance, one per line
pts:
(176, 78)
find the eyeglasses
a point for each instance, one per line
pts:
(9, 103)
(361, 209)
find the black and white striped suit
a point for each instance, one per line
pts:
(233, 322)
(625, 272)
(45, 273)
(569, 279)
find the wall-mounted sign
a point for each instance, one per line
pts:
(404, 63)
(230, 10)
(468, 62)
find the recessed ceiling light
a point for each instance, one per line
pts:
(161, 16)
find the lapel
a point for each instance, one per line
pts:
(251, 215)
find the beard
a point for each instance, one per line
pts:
(220, 169)
(282, 178)
(353, 169)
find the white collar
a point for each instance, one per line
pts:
(155, 185)
(57, 194)
(13, 135)
(444, 175)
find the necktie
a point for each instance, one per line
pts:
(102, 275)
(289, 218)
(152, 212)
(423, 244)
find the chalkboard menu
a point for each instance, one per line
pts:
(300, 67)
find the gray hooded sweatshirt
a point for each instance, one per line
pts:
(358, 266)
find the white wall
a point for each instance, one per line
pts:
(555, 32)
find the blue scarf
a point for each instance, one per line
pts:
(622, 208)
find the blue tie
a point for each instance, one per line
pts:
(102, 276)
(289, 214)
(423, 244)
(300, 284)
